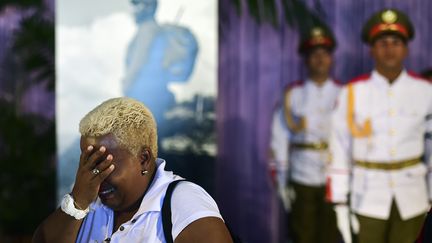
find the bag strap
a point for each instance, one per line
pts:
(166, 215)
(166, 211)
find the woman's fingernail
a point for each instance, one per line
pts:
(102, 149)
(111, 166)
(90, 148)
(109, 157)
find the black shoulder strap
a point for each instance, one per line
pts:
(166, 215)
(166, 211)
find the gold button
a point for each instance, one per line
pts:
(390, 93)
(392, 132)
(392, 152)
(391, 112)
(391, 183)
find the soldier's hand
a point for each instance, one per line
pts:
(94, 167)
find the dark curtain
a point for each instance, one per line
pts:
(255, 62)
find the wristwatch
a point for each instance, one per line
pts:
(68, 206)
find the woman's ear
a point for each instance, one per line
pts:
(145, 156)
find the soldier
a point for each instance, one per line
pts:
(378, 138)
(300, 134)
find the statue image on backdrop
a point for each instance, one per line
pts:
(157, 55)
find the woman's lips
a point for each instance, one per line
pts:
(106, 190)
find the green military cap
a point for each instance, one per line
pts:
(317, 36)
(387, 21)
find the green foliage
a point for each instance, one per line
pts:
(27, 176)
(27, 141)
(34, 46)
(21, 3)
(295, 12)
(34, 43)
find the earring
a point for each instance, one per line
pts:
(144, 172)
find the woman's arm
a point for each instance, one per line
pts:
(62, 227)
(58, 227)
(208, 229)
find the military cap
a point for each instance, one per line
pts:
(317, 36)
(387, 21)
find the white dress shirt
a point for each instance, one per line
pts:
(314, 103)
(400, 118)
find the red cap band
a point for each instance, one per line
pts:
(318, 41)
(382, 27)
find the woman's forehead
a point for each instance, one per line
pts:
(109, 141)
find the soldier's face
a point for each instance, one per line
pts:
(319, 61)
(389, 52)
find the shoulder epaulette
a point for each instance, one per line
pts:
(338, 82)
(361, 78)
(291, 123)
(419, 77)
(295, 84)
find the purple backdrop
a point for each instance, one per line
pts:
(255, 63)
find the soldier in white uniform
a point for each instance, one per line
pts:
(299, 141)
(380, 138)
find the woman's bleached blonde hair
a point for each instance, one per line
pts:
(129, 120)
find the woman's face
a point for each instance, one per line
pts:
(125, 186)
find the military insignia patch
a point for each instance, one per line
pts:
(317, 32)
(389, 17)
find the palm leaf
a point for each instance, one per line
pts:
(34, 46)
(27, 141)
(297, 14)
(238, 6)
(270, 13)
(21, 3)
(254, 10)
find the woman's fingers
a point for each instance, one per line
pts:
(94, 158)
(86, 154)
(105, 164)
(104, 174)
(95, 167)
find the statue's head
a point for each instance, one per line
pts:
(144, 9)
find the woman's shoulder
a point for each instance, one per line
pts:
(189, 192)
(189, 203)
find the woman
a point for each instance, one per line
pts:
(120, 185)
